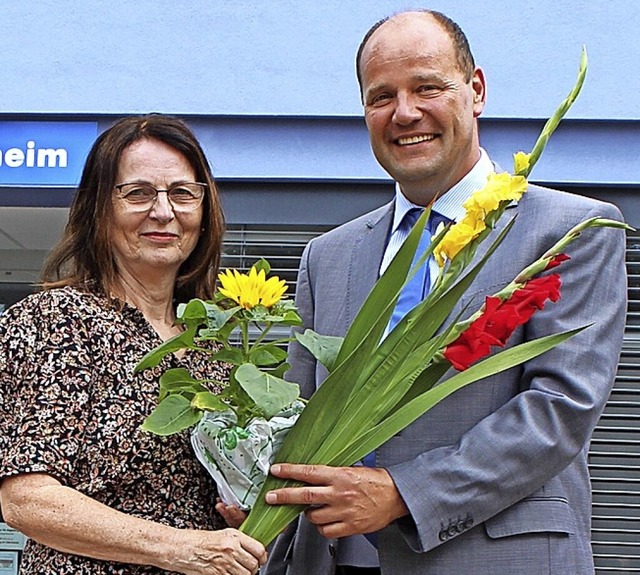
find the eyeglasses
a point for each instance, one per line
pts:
(141, 197)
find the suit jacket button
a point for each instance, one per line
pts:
(332, 550)
(443, 535)
(468, 523)
(460, 526)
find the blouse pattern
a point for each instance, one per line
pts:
(71, 407)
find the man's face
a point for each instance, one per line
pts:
(419, 109)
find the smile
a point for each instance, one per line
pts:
(415, 139)
(159, 236)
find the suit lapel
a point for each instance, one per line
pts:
(366, 257)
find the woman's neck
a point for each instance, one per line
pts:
(154, 300)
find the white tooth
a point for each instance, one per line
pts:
(414, 140)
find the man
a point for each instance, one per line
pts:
(494, 479)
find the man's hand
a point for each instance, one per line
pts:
(345, 500)
(233, 515)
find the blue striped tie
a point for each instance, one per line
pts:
(419, 285)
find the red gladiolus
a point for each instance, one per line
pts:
(499, 320)
(556, 261)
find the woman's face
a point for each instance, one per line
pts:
(157, 241)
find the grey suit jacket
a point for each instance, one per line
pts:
(495, 477)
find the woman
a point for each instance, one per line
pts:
(93, 493)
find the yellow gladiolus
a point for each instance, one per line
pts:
(521, 162)
(458, 236)
(499, 187)
(252, 289)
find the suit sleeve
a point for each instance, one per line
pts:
(539, 431)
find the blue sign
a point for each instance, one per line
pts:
(44, 153)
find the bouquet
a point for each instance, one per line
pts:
(394, 380)
(237, 432)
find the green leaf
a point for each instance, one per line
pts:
(183, 340)
(193, 310)
(324, 348)
(257, 314)
(400, 353)
(260, 314)
(228, 355)
(267, 354)
(171, 415)
(361, 370)
(412, 410)
(178, 380)
(193, 313)
(262, 264)
(217, 317)
(265, 522)
(271, 394)
(291, 318)
(220, 334)
(207, 401)
(280, 370)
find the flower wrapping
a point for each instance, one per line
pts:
(238, 458)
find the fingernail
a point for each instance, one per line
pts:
(275, 468)
(270, 497)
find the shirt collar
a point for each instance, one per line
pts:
(450, 203)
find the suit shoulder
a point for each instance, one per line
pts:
(353, 228)
(549, 199)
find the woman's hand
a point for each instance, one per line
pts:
(60, 517)
(217, 553)
(233, 515)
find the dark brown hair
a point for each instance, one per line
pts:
(464, 56)
(84, 256)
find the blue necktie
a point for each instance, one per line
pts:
(418, 286)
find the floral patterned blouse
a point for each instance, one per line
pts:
(71, 407)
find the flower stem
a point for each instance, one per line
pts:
(263, 333)
(553, 121)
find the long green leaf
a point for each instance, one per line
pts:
(265, 522)
(330, 399)
(411, 411)
(418, 326)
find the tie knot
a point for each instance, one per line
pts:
(411, 217)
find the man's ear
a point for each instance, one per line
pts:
(479, 88)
